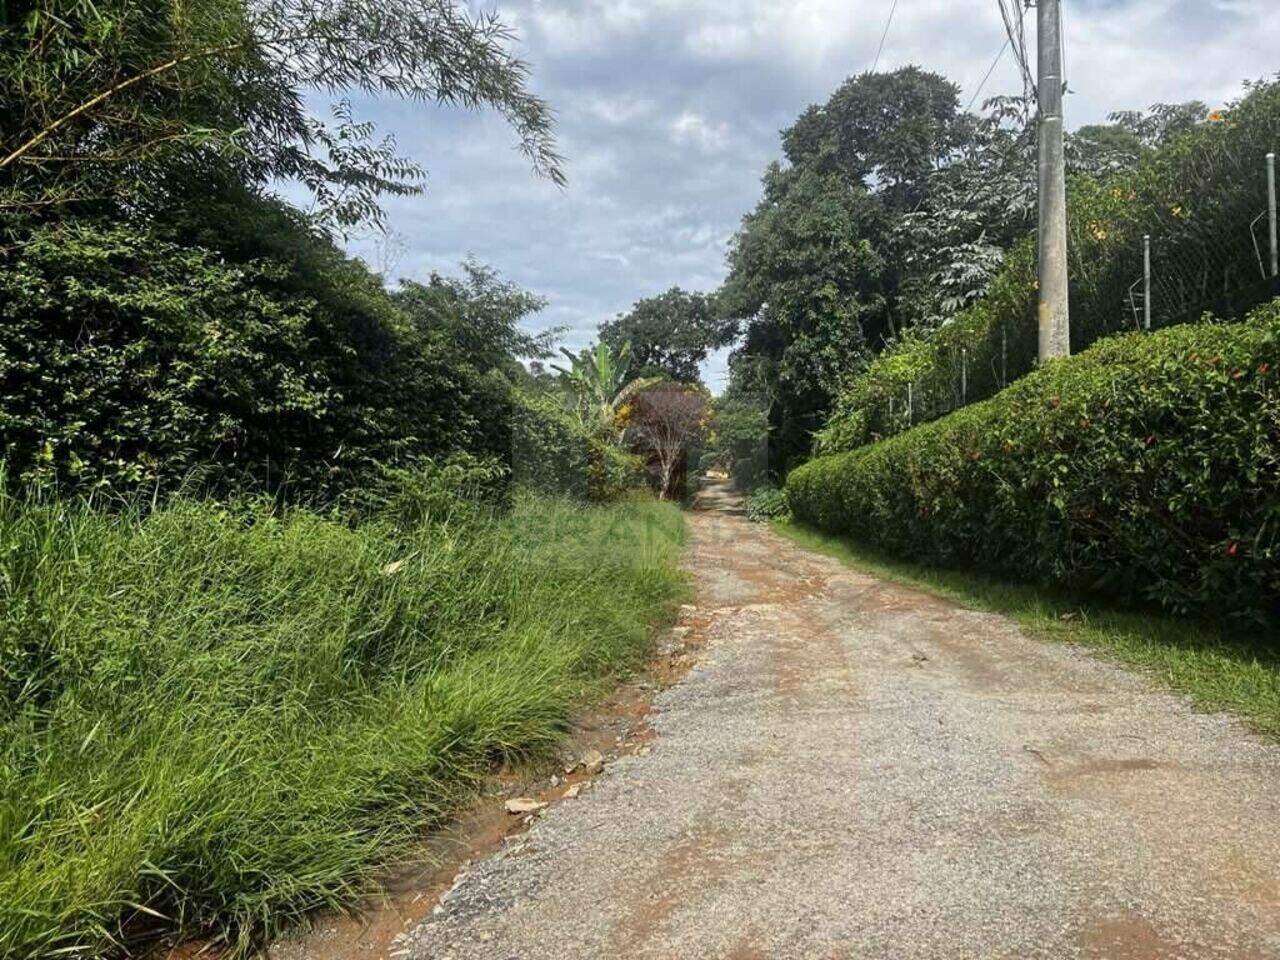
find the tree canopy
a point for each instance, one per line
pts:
(670, 334)
(817, 270)
(892, 211)
(480, 313)
(132, 103)
(165, 319)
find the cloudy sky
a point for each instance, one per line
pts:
(669, 110)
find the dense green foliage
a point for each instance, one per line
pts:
(995, 340)
(597, 384)
(891, 210)
(142, 104)
(128, 359)
(256, 356)
(214, 718)
(766, 504)
(803, 270)
(1147, 467)
(165, 321)
(1193, 187)
(888, 248)
(738, 441)
(479, 314)
(669, 334)
(551, 452)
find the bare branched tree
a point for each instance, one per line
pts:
(664, 423)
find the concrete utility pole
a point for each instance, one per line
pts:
(1055, 323)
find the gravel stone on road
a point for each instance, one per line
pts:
(858, 769)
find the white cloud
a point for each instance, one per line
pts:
(693, 128)
(618, 110)
(669, 110)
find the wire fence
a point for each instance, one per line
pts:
(1218, 254)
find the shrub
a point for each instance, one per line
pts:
(768, 503)
(553, 452)
(1147, 467)
(131, 360)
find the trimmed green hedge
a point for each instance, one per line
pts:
(1147, 467)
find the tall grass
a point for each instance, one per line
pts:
(214, 719)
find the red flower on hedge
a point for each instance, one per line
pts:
(1233, 549)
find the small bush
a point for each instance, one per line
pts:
(553, 453)
(1147, 468)
(768, 503)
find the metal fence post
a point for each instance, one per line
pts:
(1004, 356)
(1271, 214)
(1146, 281)
(964, 375)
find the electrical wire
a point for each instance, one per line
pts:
(887, 25)
(1011, 13)
(990, 70)
(1024, 57)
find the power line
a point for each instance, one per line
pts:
(887, 25)
(992, 69)
(1011, 13)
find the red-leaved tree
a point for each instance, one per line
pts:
(663, 424)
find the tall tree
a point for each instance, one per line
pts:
(481, 313)
(1104, 149)
(977, 206)
(805, 280)
(119, 102)
(892, 210)
(670, 334)
(885, 131)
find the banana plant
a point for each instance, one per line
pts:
(597, 378)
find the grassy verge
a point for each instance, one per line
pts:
(213, 720)
(1221, 668)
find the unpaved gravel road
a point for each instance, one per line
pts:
(856, 769)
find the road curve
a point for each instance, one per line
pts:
(857, 769)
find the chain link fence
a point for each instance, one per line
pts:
(1210, 253)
